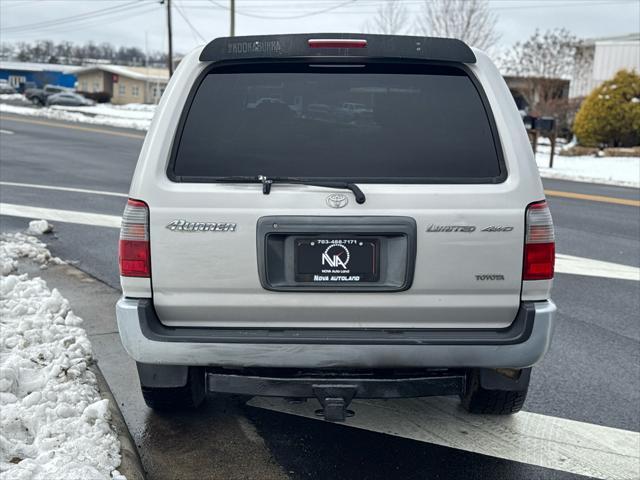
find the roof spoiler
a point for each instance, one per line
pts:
(337, 45)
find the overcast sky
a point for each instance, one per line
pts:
(126, 22)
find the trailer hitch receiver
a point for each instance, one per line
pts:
(334, 400)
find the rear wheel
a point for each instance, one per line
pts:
(186, 397)
(37, 102)
(496, 392)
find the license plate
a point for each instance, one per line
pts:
(336, 260)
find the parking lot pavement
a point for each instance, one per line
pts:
(590, 375)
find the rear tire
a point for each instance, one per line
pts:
(187, 397)
(495, 401)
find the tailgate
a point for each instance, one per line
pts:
(459, 266)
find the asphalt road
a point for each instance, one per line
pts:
(591, 374)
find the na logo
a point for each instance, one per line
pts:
(336, 255)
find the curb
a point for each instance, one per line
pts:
(130, 463)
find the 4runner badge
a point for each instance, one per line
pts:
(184, 226)
(337, 200)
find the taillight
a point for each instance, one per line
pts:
(540, 247)
(337, 43)
(135, 256)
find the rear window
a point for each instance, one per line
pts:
(368, 123)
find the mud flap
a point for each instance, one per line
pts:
(510, 380)
(162, 376)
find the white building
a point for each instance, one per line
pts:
(600, 59)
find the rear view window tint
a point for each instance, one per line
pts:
(370, 123)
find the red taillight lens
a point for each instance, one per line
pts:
(337, 43)
(539, 259)
(540, 247)
(135, 256)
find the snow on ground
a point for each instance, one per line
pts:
(137, 119)
(39, 227)
(14, 98)
(53, 422)
(624, 171)
(115, 111)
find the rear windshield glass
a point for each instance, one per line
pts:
(369, 123)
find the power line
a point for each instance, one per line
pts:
(194, 30)
(89, 23)
(71, 19)
(292, 17)
(274, 6)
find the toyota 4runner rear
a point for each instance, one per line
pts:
(279, 243)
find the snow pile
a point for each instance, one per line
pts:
(53, 422)
(18, 245)
(114, 111)
(14, 98)
(103, 116)
(39, 227)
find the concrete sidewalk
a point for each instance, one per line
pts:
(215, 442)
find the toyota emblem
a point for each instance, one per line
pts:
(337, 200)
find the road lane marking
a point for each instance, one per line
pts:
(55, 215)
(595, 268)
(593, 198)
(6, 132)
(74, 127)
(564, 263)
(545, 441)
(63, 189)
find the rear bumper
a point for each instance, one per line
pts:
(519, 346)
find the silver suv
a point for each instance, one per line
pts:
(269, 250)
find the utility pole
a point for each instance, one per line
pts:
(170, 59)
(232, 12)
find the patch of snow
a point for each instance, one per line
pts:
(53, 422)
(143, 107)
(14, 98)
(18, 245)
(623, 171)
(107, 110)
(101, 117)
(39, 227)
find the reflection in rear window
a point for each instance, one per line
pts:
(370, 123)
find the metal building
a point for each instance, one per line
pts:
(600, 59)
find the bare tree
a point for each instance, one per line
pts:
(391, 18)
(548, 55)
(544, 62)
(544, 59)
(468, 20)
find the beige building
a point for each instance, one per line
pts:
(121, 84)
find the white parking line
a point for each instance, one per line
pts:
(550, 442)
(63, 189)
(6, 132)
(595, 268)
(69, 216)
(564, 263)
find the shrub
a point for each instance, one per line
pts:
(610, 115)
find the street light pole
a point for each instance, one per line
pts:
(232, 12)
(170, 59)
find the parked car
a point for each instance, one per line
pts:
(272, 255)
(6, 88)
(38, 96)
(69, 99)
